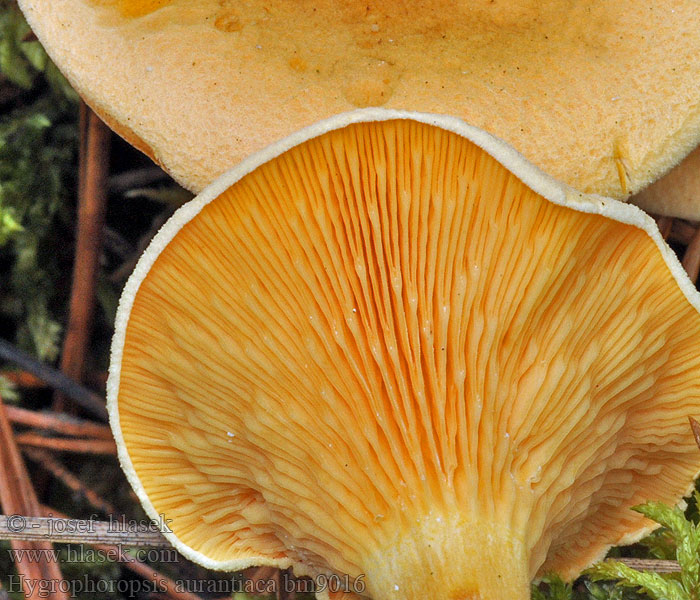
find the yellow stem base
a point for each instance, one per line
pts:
(451, 558)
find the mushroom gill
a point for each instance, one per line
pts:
(375, 351)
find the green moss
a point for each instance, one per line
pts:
(38, 157)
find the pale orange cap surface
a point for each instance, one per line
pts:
(604, 96)
(390, 350)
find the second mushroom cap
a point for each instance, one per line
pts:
(602, 95)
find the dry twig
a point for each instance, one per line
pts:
(17, 496)
(73, 483)
(23, 379)
(87, 399)
(58, 422)
(650, 564)
(80, 445)
(695, 427)
(92, 202)
(136, 178)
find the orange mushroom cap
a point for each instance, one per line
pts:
(601, 95)
(389, 348)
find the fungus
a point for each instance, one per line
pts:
(388, 348)
(601, 95)
(676, 194)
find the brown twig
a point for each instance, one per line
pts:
(23, 379)
(691, 258)
(58, 422)
(695, 427)
(80, 445)
(650, 564)
(17, 496)
(73, 483)
(116, 243)
(89, 400)
(136, 178)
(92, 202)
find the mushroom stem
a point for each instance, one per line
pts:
(451, 558)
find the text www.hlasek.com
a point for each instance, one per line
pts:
(79, 553)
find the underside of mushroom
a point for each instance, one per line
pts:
(381, 354)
